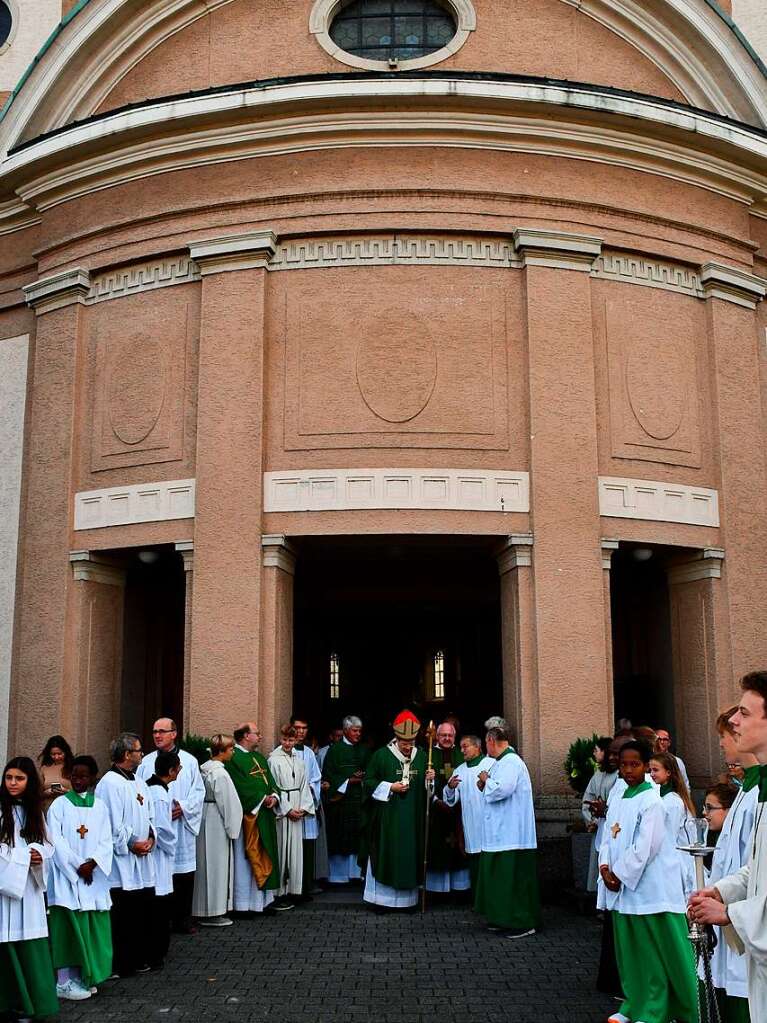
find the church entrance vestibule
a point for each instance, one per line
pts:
(383, 623)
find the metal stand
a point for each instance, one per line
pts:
(703, 941)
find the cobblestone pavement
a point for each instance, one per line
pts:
(327, 962)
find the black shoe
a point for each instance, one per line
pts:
(269, 911)
(519, 932)
(143, 969)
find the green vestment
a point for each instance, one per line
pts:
(343, 810)
(253, 781)
(657, 966)
(394, 830)
(445, 831)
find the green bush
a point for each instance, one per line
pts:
(579, 765)
(197, 745)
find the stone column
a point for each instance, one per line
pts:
(41, 684)
(276, 680)
(608, 547)
(571, 652)
(703, 684)
(91, 716)
(186, 550)
(226, 612)
(737, 417)
(520, 693)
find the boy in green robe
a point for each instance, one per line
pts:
(396, 787)
(256, 867)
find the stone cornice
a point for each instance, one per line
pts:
(705, 564)
(278, 552)
(608, 547)
(731, 284)
(186, 549)
(70, 287)
(515, 552)
(583, 123)
(90, 567)
(234, 252)
(559, 249)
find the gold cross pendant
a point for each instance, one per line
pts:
(258, 771)
(82, 831)
(616, 830)
(140, 798)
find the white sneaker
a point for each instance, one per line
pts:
(618, 1017)
(72, 992)
(93, 990)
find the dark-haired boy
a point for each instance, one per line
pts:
(167, 767)
(78, 886)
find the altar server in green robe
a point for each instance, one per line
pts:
(343, 772)
(78, 885)
(397, 785)
(507, 881)
(27, 986)
(256, 867)
(641, 884)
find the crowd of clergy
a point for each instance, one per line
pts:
(98, 870)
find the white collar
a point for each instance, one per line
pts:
(394, 748)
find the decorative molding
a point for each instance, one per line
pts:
(324, 11)
(186, 549)
(130, 280)
(515, 552)
(16, 215)
(143, 502)
(348, 489)
(705, 564)
(558, 249)
(657, 502)
(234, 252)
(608, 546)
(648, 135)
(650, 273)
(88, 567)
(278, 552)
(396, 249)
(732, 284)
(70, 287)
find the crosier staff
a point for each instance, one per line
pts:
(430, 732)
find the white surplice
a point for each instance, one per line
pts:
(471, 801)
(508, 817)
(638, 849)
(681, 831)
(163, 853)
(221, 825)
(728, 967)
(599, 787)
(22, 886)
(314, 778)
(131, 816)
(745, 895)
(79, 833)
(289, 773)
(189, 792)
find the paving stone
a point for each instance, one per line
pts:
(328, 962)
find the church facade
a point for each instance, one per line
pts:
(384, 352)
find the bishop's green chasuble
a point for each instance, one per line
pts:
(394, 830)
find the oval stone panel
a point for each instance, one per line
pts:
(397, 367)
(136, 391)
(657, 386)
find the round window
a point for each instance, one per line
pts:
(393, 30)
(6, 22)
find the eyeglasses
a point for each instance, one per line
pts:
(162, 731)
(708, 808)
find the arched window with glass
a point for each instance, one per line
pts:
(393, 30)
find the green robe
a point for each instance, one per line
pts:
(394, 831)
(252, 786)
(445, 831)
(343, 811)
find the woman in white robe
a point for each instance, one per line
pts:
(221, 824)
(296, 802)
(27, 984)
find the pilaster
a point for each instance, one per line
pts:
(276, 676)
(186, 549)
(520, 692)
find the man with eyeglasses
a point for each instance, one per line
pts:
(132, 878)
(663, 744)
(187, 794)
(256, 865)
